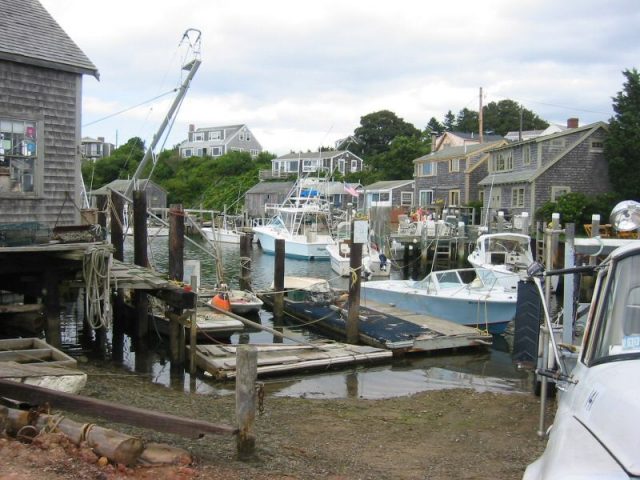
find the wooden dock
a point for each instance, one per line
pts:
(278, 359)
(438, 334)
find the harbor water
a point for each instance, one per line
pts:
(482, 369)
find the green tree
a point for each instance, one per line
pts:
(622, 146)
(467, 121)
(504, 116)
(434, 126)
(122, 163)
(378, 129)
(397, 163)
(449, 121)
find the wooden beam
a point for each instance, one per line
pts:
(161, 422)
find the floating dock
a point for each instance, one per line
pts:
(423, 333)
(384, 326)
(274, 359)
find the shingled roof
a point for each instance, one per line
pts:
(30, 35)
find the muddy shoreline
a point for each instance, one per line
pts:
(444, 434)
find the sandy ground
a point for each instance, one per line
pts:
(443, 434)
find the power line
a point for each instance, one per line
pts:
(131, 108)
(564, 107)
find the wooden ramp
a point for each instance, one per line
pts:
(436, 333)
(34, 362)
(273, 359)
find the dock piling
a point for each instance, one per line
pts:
(247, 374)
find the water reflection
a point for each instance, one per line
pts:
(481, 370)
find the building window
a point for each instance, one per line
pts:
(216, 135)
(428, 169)
(597, 146)
(454, 198)
(517, 197)
(186, 152)
(354, 166)
(198, 137)
(406, 199)
(308, 166)
(18, 155)
(526, 155)
(502, 161)
(216, 151)
(454, 165)
(558, 191)
(481, 196)
(426, 197)
(380, 199)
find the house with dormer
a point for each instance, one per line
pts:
(217, 141)
(524, 175)
(342, 161)
(41, 74)
(460, 139)
(450, 176)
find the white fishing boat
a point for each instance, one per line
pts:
(302, 221)
(225, 229)
(507, 254)
(470, 297)
(595, 431)
(374, 262)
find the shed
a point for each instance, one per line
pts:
(156, 195)
(41, 71)
(258, 196)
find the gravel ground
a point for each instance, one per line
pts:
(433, 435)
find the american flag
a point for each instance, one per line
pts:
(350, 190)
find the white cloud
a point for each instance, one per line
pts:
(302, 74)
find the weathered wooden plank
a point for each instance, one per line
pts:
(139, 417)
(25, 355)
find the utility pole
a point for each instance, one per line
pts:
(480, 126)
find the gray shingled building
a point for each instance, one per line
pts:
(41, 71)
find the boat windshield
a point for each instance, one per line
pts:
(512, 244)
(617, 333)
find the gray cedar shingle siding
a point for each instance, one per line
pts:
(564, 159)
(40, 80)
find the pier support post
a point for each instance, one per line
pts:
(52, 308)
(140, 258)
(117, 240)
(245, 262)
(117, 222)
(101, 203)
(407, 259)
(278, 282)
(247, 373)
(176, 272)
(355, 265)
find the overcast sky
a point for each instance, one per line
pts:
(301, 74)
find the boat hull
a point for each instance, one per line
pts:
(491, 314)
(294, 246)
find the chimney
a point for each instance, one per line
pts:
(101, 139)
(192, 127)
(573, 122)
